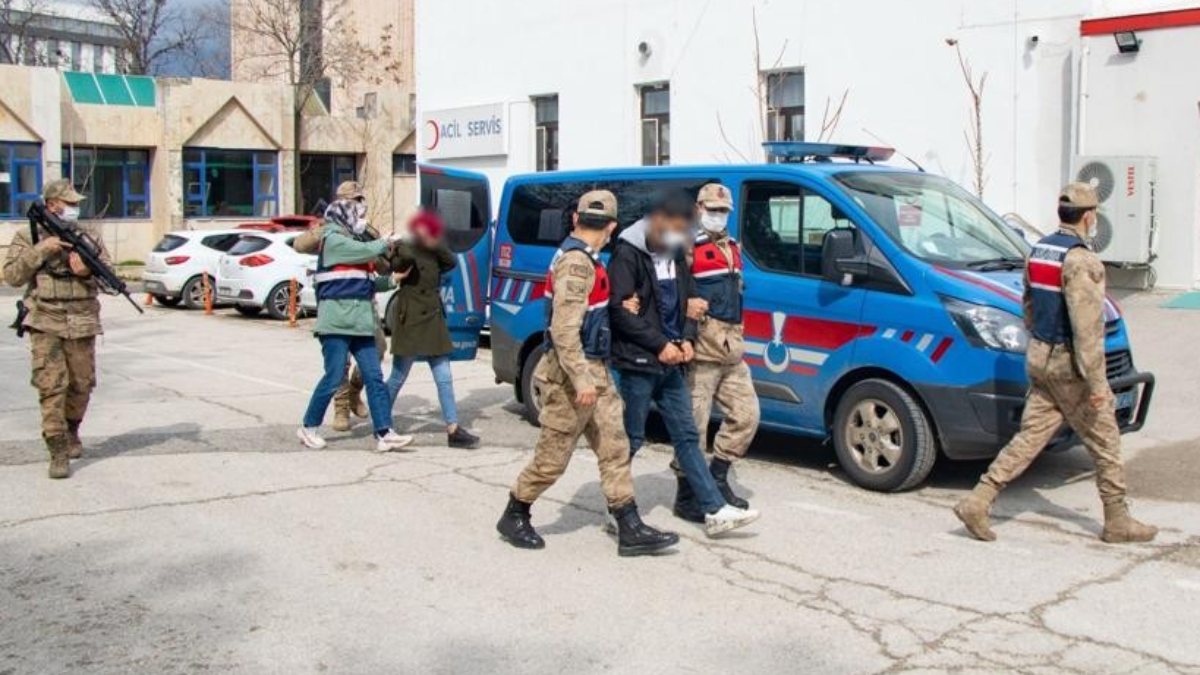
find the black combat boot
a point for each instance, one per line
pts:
(685, 502)
(720, 473)
(515, 525)
(637, 538)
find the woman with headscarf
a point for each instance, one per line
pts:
(346, 284)
(418, 322)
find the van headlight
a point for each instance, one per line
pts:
(989, 327)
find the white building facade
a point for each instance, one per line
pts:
(513, 86)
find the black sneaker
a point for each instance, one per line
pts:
(461, 438)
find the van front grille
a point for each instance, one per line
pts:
(1118, 363)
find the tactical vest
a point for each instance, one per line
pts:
(594, 334)
(1051, 322)
(344, 282)
(55, 280)
(718, 279)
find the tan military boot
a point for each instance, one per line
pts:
(1122, 528)
(60, 463)
(973, 509)
(74, 443)
(354, 389)
(341, 412)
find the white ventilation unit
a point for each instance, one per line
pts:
(1125, 230)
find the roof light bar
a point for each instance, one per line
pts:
(792, 151)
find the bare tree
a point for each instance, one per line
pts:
(973, 134)
(152, 31)
(17, 20)
(313, 45)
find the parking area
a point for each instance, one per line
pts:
(199, 535)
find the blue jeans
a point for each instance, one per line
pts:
(440, 365)
(336, 349)
(670, 391)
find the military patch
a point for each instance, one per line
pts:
(577, 287)
(579, 270)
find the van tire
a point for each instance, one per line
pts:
(193, 293)
(528, 395)
(873, 411)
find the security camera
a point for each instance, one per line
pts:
(644, 49)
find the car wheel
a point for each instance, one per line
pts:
(883, 438)
(277, 302)
(193, 293)
(247, 310)
(529, 388)
(167, 301)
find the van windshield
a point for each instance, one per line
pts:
(935, 219)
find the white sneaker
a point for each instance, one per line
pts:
(728, 518)
(392, 441)
(310, 438)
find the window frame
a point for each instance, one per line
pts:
(659, 121)
(256, 169)
(801, 189)
(546, 155)
(127, 166)
(9, 148)
(336, 176)
(782, 116)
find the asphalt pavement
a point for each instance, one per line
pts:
(198, 535)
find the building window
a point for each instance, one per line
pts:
(783, 226)
(404, 165)
(98, 58)
(656, 125)
(545, 113)
(319, 177)
(76, 56)
(785, 106)
(229, 183)
(20, 178)
(116, 181)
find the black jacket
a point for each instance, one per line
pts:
(638, 338)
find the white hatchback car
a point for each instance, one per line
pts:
(174, 269)
(257, 272)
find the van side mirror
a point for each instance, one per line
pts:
(841, 262)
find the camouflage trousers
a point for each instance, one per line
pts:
(563, 423)
(64, 374)
(730, 387)
(1058, 395)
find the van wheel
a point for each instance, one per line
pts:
(277, 301)
(529, 393)
(882, 437)
(193, 293)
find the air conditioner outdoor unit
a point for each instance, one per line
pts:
(1126, 227)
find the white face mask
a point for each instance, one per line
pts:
(70, 213)
(714, 221)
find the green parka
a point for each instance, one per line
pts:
(417, 318)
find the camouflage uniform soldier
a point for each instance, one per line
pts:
(577, 395)
(718, 373)
(1064, 300)
(348, 398)
(63, 322)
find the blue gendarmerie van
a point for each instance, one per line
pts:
(882, 305)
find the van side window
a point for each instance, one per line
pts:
(539, 214)
(463, 205)
(783, 226)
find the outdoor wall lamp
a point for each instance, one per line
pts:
(1127, 42)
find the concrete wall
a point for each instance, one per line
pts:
(903, 83)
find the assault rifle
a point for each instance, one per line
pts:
(106, 279)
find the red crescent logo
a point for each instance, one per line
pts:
(437, 136)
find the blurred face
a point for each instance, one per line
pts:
(668, 232)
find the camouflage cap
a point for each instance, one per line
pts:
(715, 196)
(62, 190)
(349, 190)
(598, 203)
(1079, 195)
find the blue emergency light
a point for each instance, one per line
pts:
(795, 151)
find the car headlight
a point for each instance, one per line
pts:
(988, 327)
